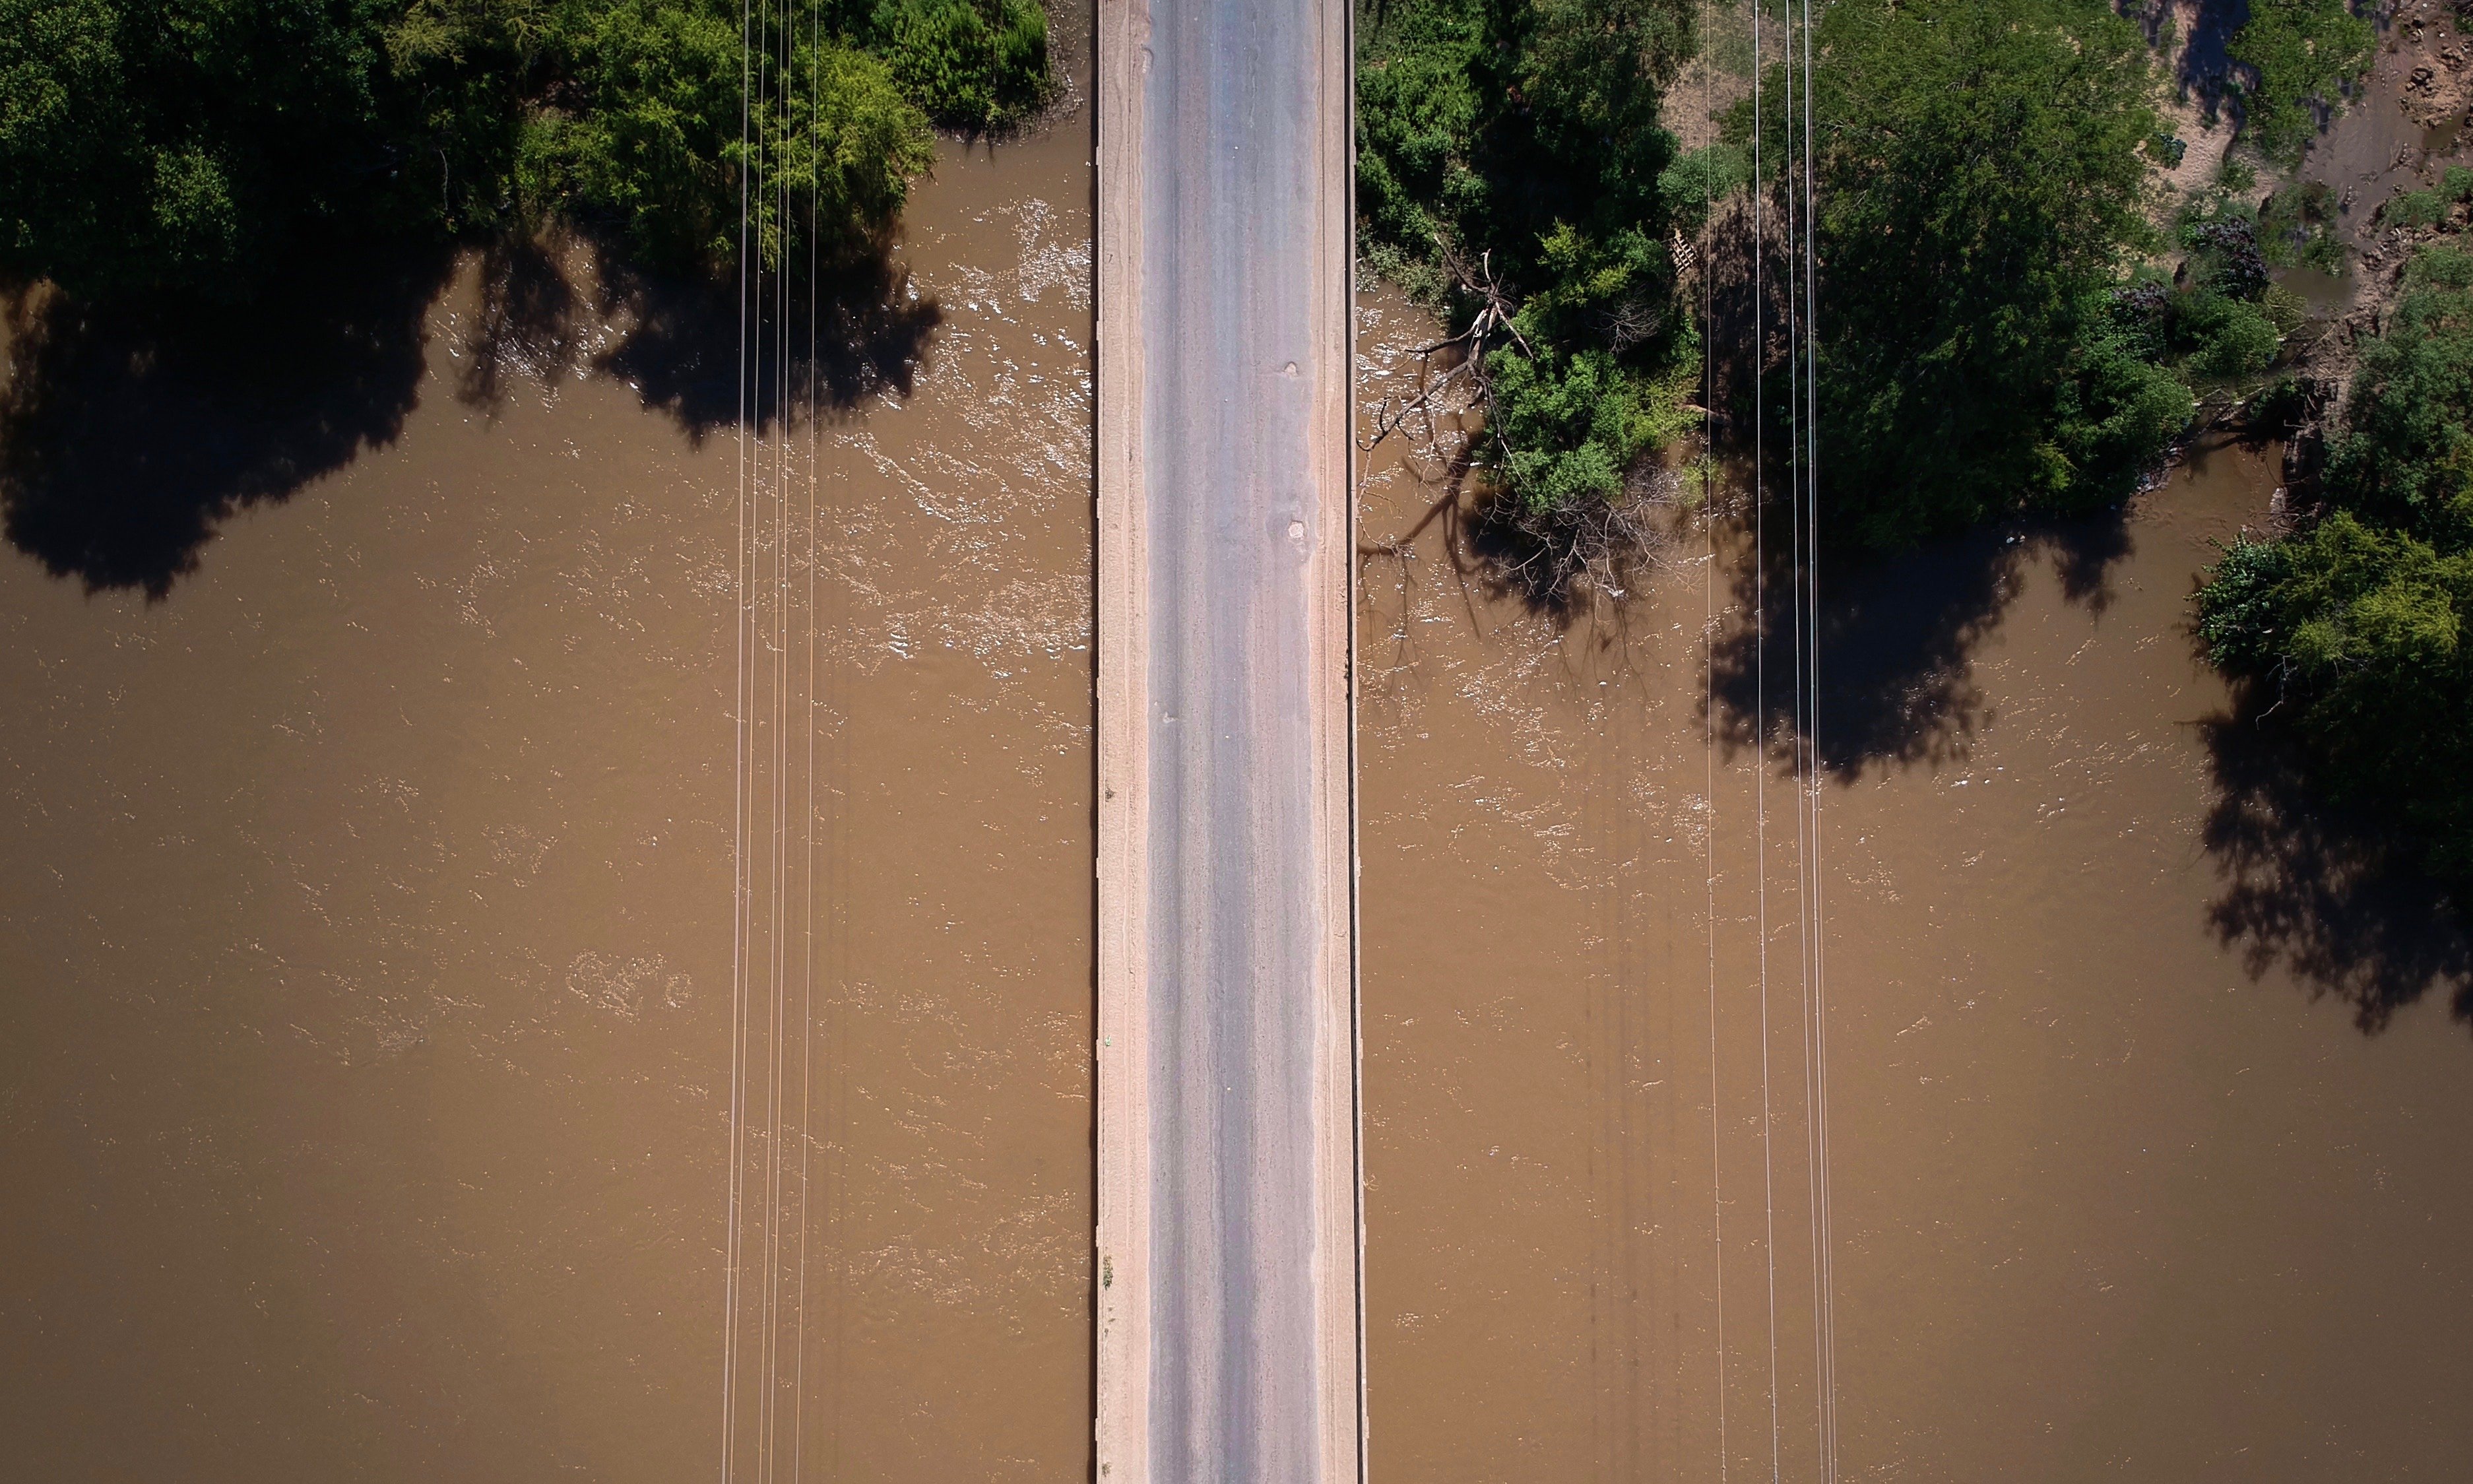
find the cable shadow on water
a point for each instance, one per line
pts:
(1897, 637)
(2317, 891)
(128, 434)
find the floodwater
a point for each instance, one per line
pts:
(366, 929)
(2146, 1101)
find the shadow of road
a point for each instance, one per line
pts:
(1896, 638)
(2318, 892)
(128, 434)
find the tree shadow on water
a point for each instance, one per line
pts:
(1897, 638)
(553, 306)
(2319, 892)
(128, 434)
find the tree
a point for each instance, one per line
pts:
(2352, 632)
(152, 145)
(193, 147)
(1509, 159)
(1981, 184)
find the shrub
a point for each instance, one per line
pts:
(1688, 187)
(1519, 144)
(2356, 625)
(970, 64)
(2228, 337)
(2302, 53)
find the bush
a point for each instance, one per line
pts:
(2115, 414)
(1518, 141)
(2407, 439)
(1982, 169)
(1570, 424)
(1694, 182)
(2303, 52)
(2356, 625)
(2300, 225)
(2228, 337)
(2414, 208)
(970, 64)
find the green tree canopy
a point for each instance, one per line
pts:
(187, 146)
(1518, 142)
(2353, 630)
(1982, 187)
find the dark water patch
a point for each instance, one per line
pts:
(1896, 637)
(2318, 893)
(2323, 295)
(706, 352)
(531, 322)
(127, 434)
(867, 331)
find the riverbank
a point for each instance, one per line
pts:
(2136, 1089)
(366, 913)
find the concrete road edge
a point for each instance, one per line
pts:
(1121, 1432)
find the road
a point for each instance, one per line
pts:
(1229, 1344)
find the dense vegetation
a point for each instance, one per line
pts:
(1995, 336)
(1982, 168)
(192, 145)
(2352, 631)
(1998, 336)
(1509, 156)
(2302, 55)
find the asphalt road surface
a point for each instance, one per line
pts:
(1229, 1235)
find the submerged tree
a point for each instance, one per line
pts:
(1509, 153)
(2351, 631)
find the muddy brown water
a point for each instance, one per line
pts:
(366, 935)
(367, 947)
(2117, 1184)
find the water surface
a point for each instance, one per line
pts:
(2147, 1109)
(366, 926)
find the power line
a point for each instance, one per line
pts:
(1709, 722)
(1827, 1341)
(740, 573)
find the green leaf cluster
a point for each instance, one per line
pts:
(2300, 225)
(1522, 139)
(2303, 52)
(189, 147)
(2428, 206)
(2354, 627)
(1983, 167)
(1695, 182)
(971, 63)
(648, 135)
